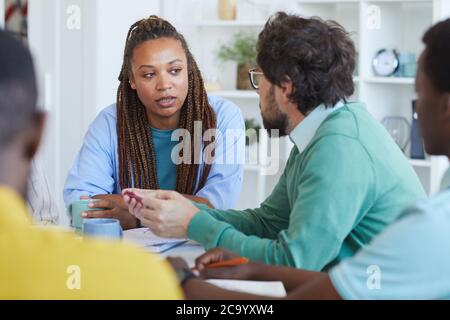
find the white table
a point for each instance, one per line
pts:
(189, 251)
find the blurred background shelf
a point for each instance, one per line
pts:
(389, 80)
(235, 94)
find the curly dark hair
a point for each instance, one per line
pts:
(317, 56)
(436, 63)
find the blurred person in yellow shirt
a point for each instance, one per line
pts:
(41, 264)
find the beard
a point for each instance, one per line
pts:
(274, 119)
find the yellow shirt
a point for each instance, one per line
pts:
(46, 264)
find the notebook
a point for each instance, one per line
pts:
(265, 288)
(143, 237)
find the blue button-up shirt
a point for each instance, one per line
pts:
(96, 171)
(305, 131)
(409, 260)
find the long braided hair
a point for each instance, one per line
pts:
(137, 161)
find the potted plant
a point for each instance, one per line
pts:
(251, 124)
(241, 49)
(252, 129)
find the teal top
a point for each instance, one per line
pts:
(166, 170)
(409, 260)
(344, 182)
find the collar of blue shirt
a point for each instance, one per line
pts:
(303, 133)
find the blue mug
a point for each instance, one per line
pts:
(102, 228)
(76, 209)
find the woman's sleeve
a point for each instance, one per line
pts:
(224, 183)
(93, 170)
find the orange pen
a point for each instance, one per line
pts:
(228, 263)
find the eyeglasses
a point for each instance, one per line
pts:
(255, 77)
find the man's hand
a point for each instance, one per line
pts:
(115, 208)
(241, 272)
(165, 213)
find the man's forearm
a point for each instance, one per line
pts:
(199, 200)
(318, 287)
(196, 289)
(292, 278)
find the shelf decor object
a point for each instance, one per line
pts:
(417, 150)
(251, 124)
(399, 129)
(242, 50)
(408, 65)
(227, 9)
(386, 63)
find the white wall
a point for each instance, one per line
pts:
(113, 19)
(59, 53)
(77, 70)
(441, 10)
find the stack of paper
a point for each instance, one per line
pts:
(263, 288)
(143, 237)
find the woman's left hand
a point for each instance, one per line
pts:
(113, 207)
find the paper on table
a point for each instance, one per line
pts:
(265, 288)
(143, 237)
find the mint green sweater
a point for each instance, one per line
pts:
(349, 183)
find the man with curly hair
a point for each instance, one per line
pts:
(345, 179)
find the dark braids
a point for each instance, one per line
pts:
(137, 161)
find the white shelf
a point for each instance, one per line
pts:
(389, 80)
(236, 94)
(244, 94)
(420, 163)
(403, 24)
(230, 23)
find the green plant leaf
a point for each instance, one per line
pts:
(241, 49)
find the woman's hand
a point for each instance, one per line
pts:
(114, 207)
(241, 272)
(165, 213)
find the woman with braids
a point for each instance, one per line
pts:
(130, 143)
